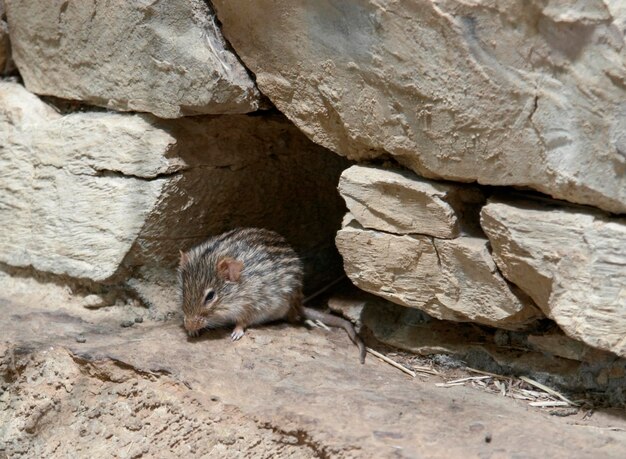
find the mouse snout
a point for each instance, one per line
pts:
(194, 324)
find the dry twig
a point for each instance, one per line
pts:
(393, 363)
(547, 390)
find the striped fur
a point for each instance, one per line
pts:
(269, 287)
(266, 284)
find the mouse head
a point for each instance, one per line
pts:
(208, 285)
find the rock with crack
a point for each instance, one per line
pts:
(515, 93)
(167, 58)
(76, 189)
(415, 242)
(400, 202)
(284, 391)
(571, 261)
(93, 194)
(550, 357)
(6, 61)
(449, 279)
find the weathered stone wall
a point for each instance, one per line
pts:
(419, 258)
(502, 93)
(92, 194)
(102, 195)
(526, 94)
(167, 58)
(437, 99)
(536, 257)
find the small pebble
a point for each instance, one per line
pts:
(138, 320)
(127, 323)
(488, 438)
(80, 339)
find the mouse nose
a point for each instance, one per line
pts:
(193, 324)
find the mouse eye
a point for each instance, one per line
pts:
(210, 295)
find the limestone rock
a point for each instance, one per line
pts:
(168, 58)
(507, 93)
(6, 62)
(400, 202)
(546, 358)
(562, 346)
(449, 279)
(149, 391)
(92, 194)
(76, 189)
(571, 261)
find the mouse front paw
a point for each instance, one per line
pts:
(237, 333)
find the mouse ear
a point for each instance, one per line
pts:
(184, 258)
(230, 269)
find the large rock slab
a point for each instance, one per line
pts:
(571, 261)
(400, 202)
(283, 391)
(549, 357)
(76, 189)
(164, 57)
(94, 194)
(449, 279)
(508, 93)
(6, 62)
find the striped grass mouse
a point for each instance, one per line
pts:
(246, 277)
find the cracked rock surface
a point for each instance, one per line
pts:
(282, 391)
(571, 261)
(93, 194)
(436, 259)
(164, 57)
(503, 93)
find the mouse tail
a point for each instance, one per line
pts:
(334, 321)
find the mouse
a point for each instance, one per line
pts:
(246, 277)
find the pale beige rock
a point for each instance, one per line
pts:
(562, 346)
(503, 93)
(6, 62)
(149, 391)
(164, 57)
(571, 261)
(449, 279)
(76, 189)
(400, 202)
(90, 195)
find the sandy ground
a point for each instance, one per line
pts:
(96, 383)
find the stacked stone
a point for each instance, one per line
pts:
(93, 193)
(519, 94)
(524, 94)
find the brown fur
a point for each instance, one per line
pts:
(246, 277)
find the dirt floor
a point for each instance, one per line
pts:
(119, 382)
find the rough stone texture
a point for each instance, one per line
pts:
(164, 57)
(572, 263)
(91, 194)
(449, 279)
(6, 61)
(547, 357)
(283, 391)
(61, 404)
(400, 202)
(504, 93)
(568, 348)
(76, 189)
